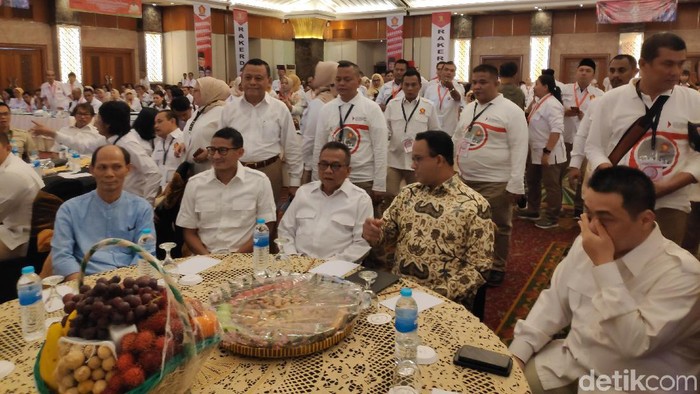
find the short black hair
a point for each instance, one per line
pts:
(85, 107)
(412, 72)
(231, 134)
(71, 74)
(4, 104)
(258, 62)
(116, 115)
(180, 103)
(439, 143)
(144, 122)
(127, 156)
(508, 69)
(632, 61)
(486, 68)
(440, 63)
(651, 46)
(176, 91)
(335, 145)
(548, 71)
(169, 114)
(637, 190)
(347, 63)
(401, 61)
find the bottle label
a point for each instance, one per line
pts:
(29, 295)
(261, 241)
(406, 320)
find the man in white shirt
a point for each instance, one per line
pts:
(354, 120)
(281, 72)
(143, 96)
(332, 209)
(53, 93)
(491, 143)
(392, 89)
(630, 296)
(20, 184)
(664, 153)
(220, 205)
(168, 146)
(81, 137)
(73, 83)
(267, 127)
(76, 97)
(447, 97)
(89, 96)
(438, 70)
(405, 117)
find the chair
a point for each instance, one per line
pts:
(65, 189)
(167, 209)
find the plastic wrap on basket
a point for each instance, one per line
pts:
(161, 338)
(285, 311)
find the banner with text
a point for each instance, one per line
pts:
(394, 40)
(130, 8)
(636, 11)
(240, 29)
(440, 40)
(202, 38)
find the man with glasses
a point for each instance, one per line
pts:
(221, 204)
(19, 139)
(332, 209)
(81, 137)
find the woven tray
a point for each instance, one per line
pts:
(296, 351)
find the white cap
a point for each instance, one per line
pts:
(426, 355)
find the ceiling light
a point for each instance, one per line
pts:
(580, 5)
(461, 14)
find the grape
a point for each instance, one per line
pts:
(102, 334)
(129, 318)
(88, 333)
(153, 283)
(67, 297)
(102, 280)
(143, 281)
(69, 307)
(89, 300)
(99, 289)
(152, 309)
(115, 279)
(139, 311)
(103, 322)
(115, 301)
(73, 331)
(84, 289)
(117, 318)
(77, 298)
(133, 300)
(146, 298)
(128, 282)
(114, 290)
(123, 307)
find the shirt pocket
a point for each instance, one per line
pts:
(304, 218)
(580, 292)
(271, 128)
(240, 213)
(343, 223)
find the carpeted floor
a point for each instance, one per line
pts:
(529, 245)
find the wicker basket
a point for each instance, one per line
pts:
(177, 375)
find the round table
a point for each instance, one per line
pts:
(361, 363)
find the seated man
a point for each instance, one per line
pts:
(20, 184)
(81, 137)
(630, 296)
(19, 139)
(220, 205)
(107, 212)
(332, 210)
(441, 228)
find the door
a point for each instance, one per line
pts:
(497, 60)
(569, 64)
(100, 62)
(693, 65)
(22, 66)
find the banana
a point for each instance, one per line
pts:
(49, 355)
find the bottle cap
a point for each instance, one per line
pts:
(27, 270)
(36, 163)
(406, 292)
(146, 231)
(426, 355)
(260, 221)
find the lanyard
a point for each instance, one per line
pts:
(441, 97)
(476, 116)
(403, 110)
(166, 150)
(534, 110)
(394, 91)
(118, 138)
(199, 113)
(654, 120)
(583, 99)
(341, 121)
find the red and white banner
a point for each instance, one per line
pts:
(130, 8)
(394, 40)
(636, 11)
(202, 38)
(440, 40)
(240, 29)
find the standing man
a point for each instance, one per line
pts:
(405, 117)
(20, 185)
(19, 139)
(438, 70)
(663, 152)
(281, 72)
(168, 146)
(73, 83)
(392, 89)
(355, 121)
(491, 143)
(446, 95)
(267, 127)
(509, 86)
(53, 93)
(577, 98)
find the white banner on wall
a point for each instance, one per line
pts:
(240, 29)
(394, 40)
(440, 40)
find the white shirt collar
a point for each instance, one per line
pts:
(240, 174)
(345, 188)
(637, 258)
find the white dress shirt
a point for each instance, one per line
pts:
(96, 104)
(165, 157)
(308, 132)
(578, 152)
(546, 117)
(268, 130)
(404, 120)
(448, 109)
(144, 177)
(495, 149)
(224, 215)
(390, 90)
(363, 132)
(198, 132)
(20, 184)
(336, 219)
(84, 140)
(616, 112)
(639, 312)
(573, 96)
(135, 104)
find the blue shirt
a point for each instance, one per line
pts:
(83, 221)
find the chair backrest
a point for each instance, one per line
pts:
(44, 209)
(65, 189)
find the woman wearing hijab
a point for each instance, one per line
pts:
(210, 95)
(375, 84)
(293, 97)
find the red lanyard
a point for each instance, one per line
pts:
(532, 113)
(395, 91)
(440, 96)
(583, 99)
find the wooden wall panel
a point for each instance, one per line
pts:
(108, 21)
(521, 24)
(586, 21)
(563, 22)
(177, 18)
(218, 22)
(503, 25)
(483, 26)
(369, 29)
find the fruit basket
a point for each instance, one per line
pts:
(130, 336)
(285, 316)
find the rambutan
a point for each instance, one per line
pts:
(150, 361)
(133, 377)
(127, 342)
(124, 362)
(144, 341)
(155, 323)
(115, 383)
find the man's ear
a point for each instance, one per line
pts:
(647, 217)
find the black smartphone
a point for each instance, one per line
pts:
(484, 360)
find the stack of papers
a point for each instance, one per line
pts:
(195, 265)
(334, 268)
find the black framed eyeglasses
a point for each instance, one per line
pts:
(223, 151)
(323, 166)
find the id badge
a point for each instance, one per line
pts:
(408, 145)
(463, 150)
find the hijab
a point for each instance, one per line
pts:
(214, 92)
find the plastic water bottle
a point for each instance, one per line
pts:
(147, 241)
(34, 155)
(31, 305)
(406, 324)
(261, 248)
(74, 164)
(62, 152)
(15, 151)
(13, 145)
(36, 164)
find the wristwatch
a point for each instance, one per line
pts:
(452, 90)
(546, 151)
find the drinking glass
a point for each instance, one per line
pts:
(168, 263)
(282, 258)
(54, 301)
(369, 298)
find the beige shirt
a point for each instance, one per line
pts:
(20, 184)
